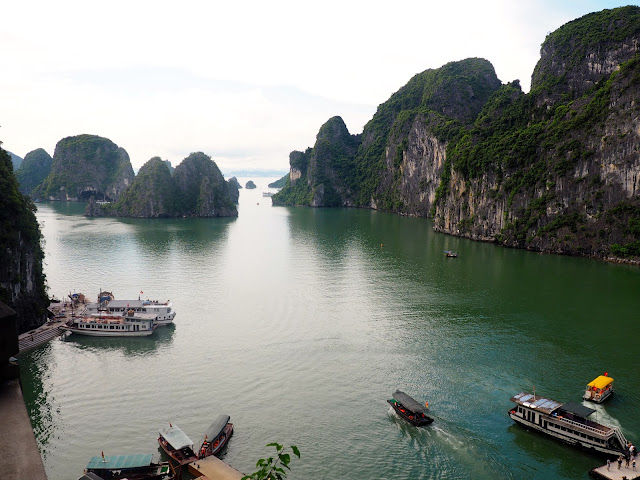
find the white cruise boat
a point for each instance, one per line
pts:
(163, 310)
(123, 325)
(567, 422)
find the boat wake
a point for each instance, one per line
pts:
(601, 415)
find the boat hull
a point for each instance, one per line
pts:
(581, 443)
(107, 333)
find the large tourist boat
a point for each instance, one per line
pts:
(216, 436)
(107, 304)
(131, 467)
(409, 409)
(176, 444)
(567, 422)
(128, 324)
(599, 389)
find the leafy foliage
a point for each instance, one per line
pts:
(20, 244)
(276, 467)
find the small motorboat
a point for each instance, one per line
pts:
(409, 409)
(176, 444)
(450, 254)
(599, 389)
(216, 437)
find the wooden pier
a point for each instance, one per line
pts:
(212, 468)
(624, 473)
(42, 334)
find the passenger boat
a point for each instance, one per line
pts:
(107, 304)
(599, 389)
(409, 409)
(567, 422)
(131, 467)
(216, 437)
(450, 254)
(176, 444)
(126, 325)
(267, 194)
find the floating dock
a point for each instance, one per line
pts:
(212, 468)
(626, 473)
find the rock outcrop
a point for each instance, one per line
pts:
(250, 185)
(16, 161)
(196, 188)
(22, 282)
(554, 170)
(85, 166)
(33, 170)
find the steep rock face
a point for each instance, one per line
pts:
(196, 188)
(584, 51)
(556, 172)
(35, 167)
(323, 176)
(86, 165)
(152, 194)
(204, 191)
(16, 161)
(396, 163)
(22, 283)
(234, 189)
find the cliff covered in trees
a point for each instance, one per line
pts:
(556, 170)
(196, 188)
(86, 165)
(22, 282)
(34, 169)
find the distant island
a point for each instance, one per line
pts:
(250, 185)
(195, 189)
(554, 170)
(280, 183)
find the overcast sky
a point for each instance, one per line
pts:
(246, 82)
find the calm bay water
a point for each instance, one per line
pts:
(299, 323)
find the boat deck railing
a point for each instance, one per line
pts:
(602, 430)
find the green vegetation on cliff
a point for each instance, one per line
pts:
(196, 188)
(35, 167)
(22, 281)
(86, 165)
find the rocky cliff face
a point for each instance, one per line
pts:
(33, 170)
(322, 176)
(566, 179)
(556, 170)
(22, 283)
(196, 188)
(86, 165)
(205, 192)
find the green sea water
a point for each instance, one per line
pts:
(299, 323)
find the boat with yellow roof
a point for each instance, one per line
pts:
(599, 389)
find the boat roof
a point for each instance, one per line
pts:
(577, 409)
(118, 462)
(176, 437)
(130, 304)
(601, 382)
(216, 427)
(530, 400)
(408, 402)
